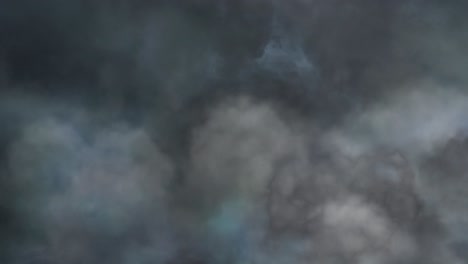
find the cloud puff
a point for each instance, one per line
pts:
(78, 184)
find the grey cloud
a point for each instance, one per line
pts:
(233, 132)
(76, 187)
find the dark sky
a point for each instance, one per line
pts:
(206, 132)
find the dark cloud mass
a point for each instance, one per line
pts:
(233, 132)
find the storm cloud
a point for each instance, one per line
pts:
(303, 131)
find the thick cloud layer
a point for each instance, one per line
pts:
(313, 131)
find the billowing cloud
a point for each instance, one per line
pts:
(321, 131)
